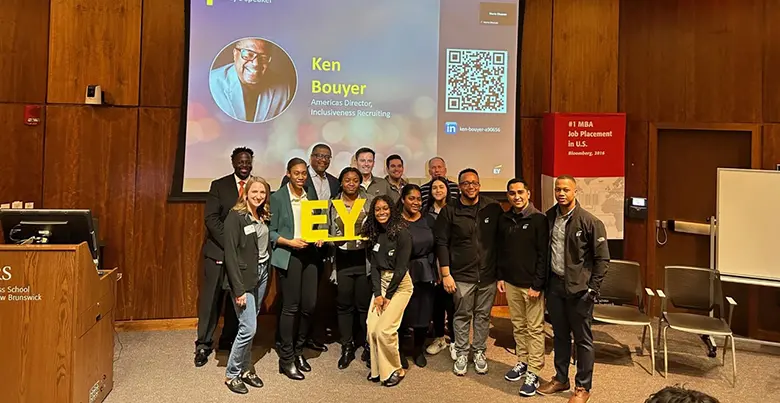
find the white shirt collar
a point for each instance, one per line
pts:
(314, 173)
(294, 198)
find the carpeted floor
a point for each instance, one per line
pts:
(157, 367)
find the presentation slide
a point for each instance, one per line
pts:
(417, 78)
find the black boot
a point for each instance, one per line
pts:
(290, 370)
(302, 364)
(347, 356)
(366, 356)
(404, 362)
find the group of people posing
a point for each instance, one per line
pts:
(428, 254)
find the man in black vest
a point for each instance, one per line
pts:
(222, 196)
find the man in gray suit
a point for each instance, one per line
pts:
(246, 89)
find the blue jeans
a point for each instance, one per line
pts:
(240, 360)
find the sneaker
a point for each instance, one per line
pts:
(517, 372)
(461, 365)
(530, 385)
(480, 363)
(453, 353)
(439, 344)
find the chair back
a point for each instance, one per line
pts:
(693, 288)
(622, 283)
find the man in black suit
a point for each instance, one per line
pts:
(222, 196)
(327, 187)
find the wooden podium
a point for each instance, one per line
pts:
(56, 325)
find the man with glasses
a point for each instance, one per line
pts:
(247, 89)
(325, 184)
(465, 233)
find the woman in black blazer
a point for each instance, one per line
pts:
(247, 253)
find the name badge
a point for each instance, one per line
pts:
(376, 248)
(249, 229)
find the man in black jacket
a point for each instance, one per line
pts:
(579, 258)
(522, 245)
(465, 233)
(222, 196)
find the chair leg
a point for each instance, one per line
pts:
(652, 350)
(642, 346)
(666, 359)
(725, 348)
(733, 361)
(660, 323)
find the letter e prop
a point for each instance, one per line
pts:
(310, 218)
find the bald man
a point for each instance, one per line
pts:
(246, 89)
(437, 168)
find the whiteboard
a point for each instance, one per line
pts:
(748, 224)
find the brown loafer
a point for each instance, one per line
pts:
(554, 386)
(580, 395)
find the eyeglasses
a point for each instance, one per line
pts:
(251, 55)
(322, 156)
(467, 184)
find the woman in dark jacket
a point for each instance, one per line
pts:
(353, 286)
(438, 197)
(247, 254)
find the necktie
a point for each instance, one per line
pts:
(241, 189)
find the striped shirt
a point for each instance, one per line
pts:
(452, 186)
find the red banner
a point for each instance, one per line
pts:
(584, 144)
(591, 148)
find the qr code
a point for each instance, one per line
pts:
(476, 81)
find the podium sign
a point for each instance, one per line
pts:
(591, 148)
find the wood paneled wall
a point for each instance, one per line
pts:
(683, 61)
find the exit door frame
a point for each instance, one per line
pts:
(652, 193)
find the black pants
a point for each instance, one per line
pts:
(299, 298)
(571, 314)
(353, 299)
(443, 304)
(212, 299)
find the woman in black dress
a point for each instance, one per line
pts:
(422, 269)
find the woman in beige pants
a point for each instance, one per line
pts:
(389, 246)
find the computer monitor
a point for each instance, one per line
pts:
(43, 226)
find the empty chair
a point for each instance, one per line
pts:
(622, 287)
(695, 289)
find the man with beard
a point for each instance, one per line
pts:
(222, 196)
(245, 89)
(465, 234)
(522, 272)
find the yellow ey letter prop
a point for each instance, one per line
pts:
(313, 213)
